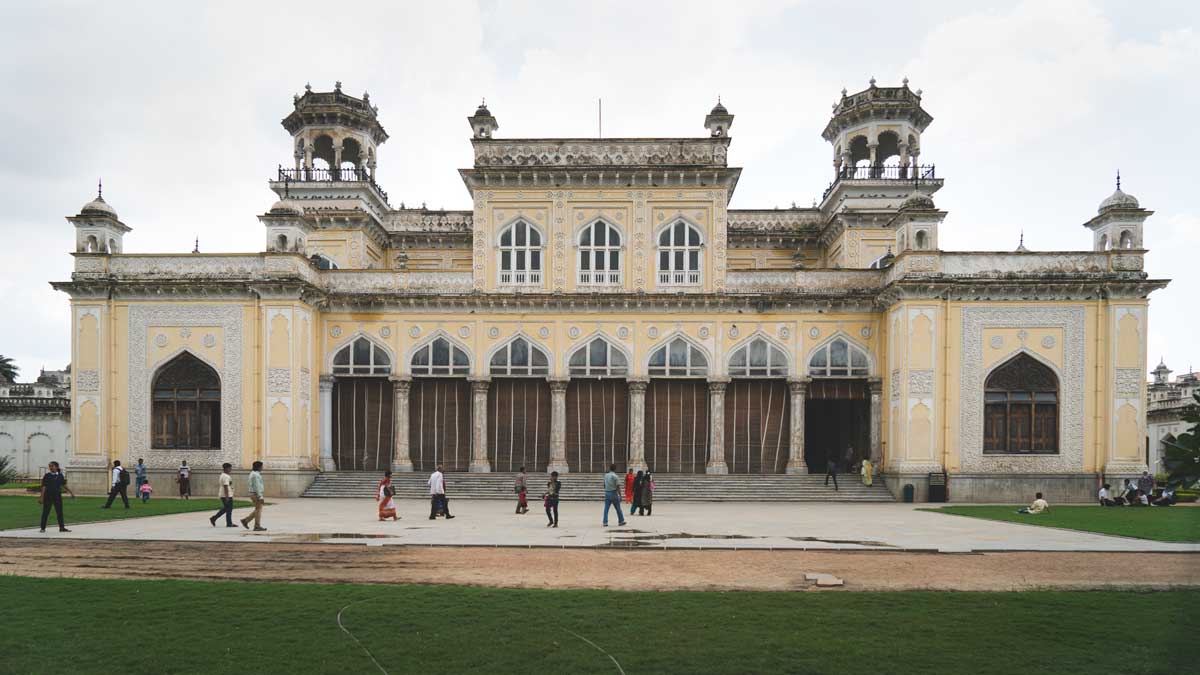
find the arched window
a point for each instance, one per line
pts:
(679, 255)
(520, 255)
(759, 358)
(322, 262)
(598, 358)
(678, 358)
(1104, 242)
(1126, 239)
(362, 357)
(1021, 408)
(186, 408)
(440, 357)
(599, 255)
(921, 240)
(839, 358)
(520, 357)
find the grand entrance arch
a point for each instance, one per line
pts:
(838, 409)
(597, 408)
(677, 409)
(519, 408)
(439, 407)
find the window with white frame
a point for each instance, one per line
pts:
(838, 358)
(362, 357)
(678, 358)
(759, 358)
(518, 358)
(440, 357)
(599, 255)
(598, 358)
(520, 255)
(679, 250)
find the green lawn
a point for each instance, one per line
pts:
(17, 511)
(157, 626)
(1175, 523)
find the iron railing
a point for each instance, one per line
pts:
(352, 174)
(913, 174)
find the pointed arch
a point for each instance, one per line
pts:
(758, 356)
(678, 356)
(440, 355)
(679, 252)
(600, 245)
(186, 403)
(519, 355)
(352, 357)
(840, 355)
(608, 359)
(521, 246)
(1021, 406)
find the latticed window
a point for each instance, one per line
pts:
(598, 358)
(839, 358)
(440, 357)
(759, 358)
(519, 357)
(678, 358)
(679, 250)
(362, 357)
(187, 405)
(599, 255)
(520, 255)
(1021, 408)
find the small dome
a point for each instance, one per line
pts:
(719, 109)
(918, 200)
(287, 206)
(98, 207)
(1119, 200)
(482, 111)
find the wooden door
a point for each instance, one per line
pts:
(677, 425)
(597, 425)
(362, 424)
(757, 426)
(519, 424)
(439, 423)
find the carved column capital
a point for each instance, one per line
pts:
(325, 383)
(401, 383)
(480, 384)
(875, 385)
(638, 385)
(717, 385)
(558, 384)
(798, 386)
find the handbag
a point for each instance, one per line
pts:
(389, 491)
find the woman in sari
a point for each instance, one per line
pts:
(867, 469)
(385, 495)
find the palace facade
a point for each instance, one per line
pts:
(598, 303)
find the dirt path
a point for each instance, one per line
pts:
(580, 568)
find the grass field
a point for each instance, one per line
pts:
(17, 511)
(81, 626)
(1175, 523)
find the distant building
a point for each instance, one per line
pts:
(1166, 402)
(35, 421)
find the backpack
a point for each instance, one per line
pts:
(124, 477)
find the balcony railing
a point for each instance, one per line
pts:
(331, 175)
(520, 278)
(678, 278)
(599, 278)
(913, 174)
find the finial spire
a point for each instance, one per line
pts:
(100, 188)
(1118, 179)
(196, 248)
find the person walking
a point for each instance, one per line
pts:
(633, 493)
(120, 485)
(437, 495)
(647, 496)
(144, 492)
(629, 478)
(53, 485)
(184, 478)
(550, 499)
(139, 477)
(612, 494)
(867, 470)
(385, 494)
(831, 471)
(521, 486)
(256, 489)
(225, 493)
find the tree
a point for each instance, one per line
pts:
(1183, 456)
(8, 369)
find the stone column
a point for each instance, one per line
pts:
(637, 424)
(308, 157)
(337, 161)
(400, 457)
(903, 159)
(558, 425)
(716, 424)
(479, 426)
(872, 147)
(876, 386)
(325, 387)
(798, 390)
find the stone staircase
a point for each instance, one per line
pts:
(588, 486)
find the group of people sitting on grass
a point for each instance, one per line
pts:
(1132, 494)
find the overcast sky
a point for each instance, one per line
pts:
(177, 105)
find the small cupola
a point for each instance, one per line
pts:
(482, 122)
(97, 227)
(718, 120)
(1118, 222)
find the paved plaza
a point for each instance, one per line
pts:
(685, 525)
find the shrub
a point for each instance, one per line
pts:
(1187, 495)
(8, 472)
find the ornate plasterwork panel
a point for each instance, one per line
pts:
(87, 380)
(229, 318)
(920, 382)
(279, 380)
(1071, 389)
(1128, 382)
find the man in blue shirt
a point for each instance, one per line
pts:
(612, 493)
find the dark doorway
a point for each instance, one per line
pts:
(439, 423)
(519, 424)
(362, 425)
(597, 424)
(837, 415)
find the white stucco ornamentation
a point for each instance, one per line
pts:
(997, 341)
(493, 332)
(1048, 342)
(87, 380)
(385, 331)
(814, 332)
(279, 380)
(573, 332)
(1071, 390)
(920, 382)
(1129, 382)
(415, 331)
(464, 331)
(160, 340)
(335, 332)
(894, 385)
(209, 340)
(652, 333)
(229, 318)
(544, 333)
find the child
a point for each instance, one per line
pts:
(146, 490)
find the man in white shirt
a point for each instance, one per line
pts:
(1039, 505)
(225, 492)
(437, 495)
(185, 480)
(1106, 498)
(120, 485)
